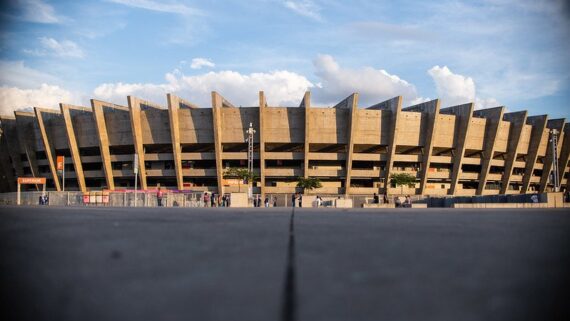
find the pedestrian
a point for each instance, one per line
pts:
(266, 201)
(274, 201)
(159, 196)
(41, 200)
(224, 201)
(319, 201)
(206, 199)
(409, 201)
(213, 200)
(300, 200)
(376, 199)
(386, 199)
(293, 198)
(397, 201)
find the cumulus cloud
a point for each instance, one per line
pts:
(281, 87)
(305, 8)
(373, 85)
(198, 63)
(50, 46)
(455, 89)
(13, 98)
(37, 11)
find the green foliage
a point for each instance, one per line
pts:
(243, 174)
(403, 179)
(309, 183)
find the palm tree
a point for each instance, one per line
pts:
(309, 183)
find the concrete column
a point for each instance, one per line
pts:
(262, 107)
(135, 113)
(517, 120)
(173, 107)
(350, 103)
(72, 142)
(538, 127)
(494, 118)
(463, 115)
(431, 109)
(564, 148)
(99, 116)
(217, 103)
(394, 106)
(306, 103)
(49, 150)
(557, 124)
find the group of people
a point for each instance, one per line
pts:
(44, 199)
(397, 202)
(266, 202)
(215, 200)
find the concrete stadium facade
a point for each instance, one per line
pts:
(451, 151)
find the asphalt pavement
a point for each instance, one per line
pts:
(273, 264)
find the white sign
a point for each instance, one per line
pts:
(136, 164)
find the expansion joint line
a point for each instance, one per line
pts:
(289, 306)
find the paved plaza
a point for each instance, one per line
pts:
(272, 264)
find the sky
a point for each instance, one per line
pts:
(512, 53)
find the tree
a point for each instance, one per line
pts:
(309, 183)
(243, 174)
(402, 179)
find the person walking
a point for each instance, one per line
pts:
(206, 199)
(266, 201)
(274, 201)
(386, 201)
(293, 198)
(300, 200)
(319, 201)
(159, 196)
(376, 199)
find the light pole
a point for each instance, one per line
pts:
(554, 146)
(250, 132)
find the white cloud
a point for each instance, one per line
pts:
(373, 85)
(160, 6)
(13, 98)
(37, 11)
(16, 74)
(198, 63)
(283, 88)
(64, 48)
(455, 89)
(305, 8)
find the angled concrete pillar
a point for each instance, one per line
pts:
(517, 120)
(99, 116)
(217, 104)
(394, 106)
(350, 103)
(262, 107)
(49, 149)
(538, 126)
(431, 108)
(463, 115)
(10, 133)
(135, 113)
(494, 117)
(173, 107)
(73, 147)
(26, 121)
(564, 148)
(306, 103)
(557, 124)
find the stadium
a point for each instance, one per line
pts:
(352, 149)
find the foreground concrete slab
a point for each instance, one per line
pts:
(142, 264)
(443, 264)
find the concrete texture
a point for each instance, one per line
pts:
(265, 264)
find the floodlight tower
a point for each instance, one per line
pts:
(249, 133)
(554, 146)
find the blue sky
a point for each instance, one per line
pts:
(493, 52)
